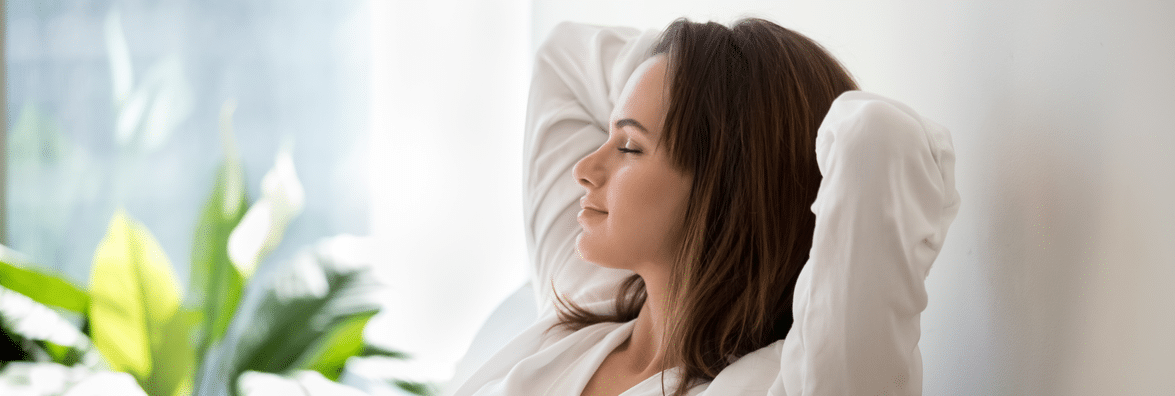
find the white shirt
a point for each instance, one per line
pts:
(885, 202)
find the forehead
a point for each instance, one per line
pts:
(645, 97)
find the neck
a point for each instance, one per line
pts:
(646, 347)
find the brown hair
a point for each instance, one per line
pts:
(745, 103)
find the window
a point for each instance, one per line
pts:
(118, 104)
(383, 105)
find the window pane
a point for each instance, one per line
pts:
(117, 104)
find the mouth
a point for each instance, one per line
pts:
(584, 205)
(590, 214)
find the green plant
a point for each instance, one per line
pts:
(311, 316)
(326, 301)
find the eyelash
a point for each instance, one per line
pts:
(628, 150)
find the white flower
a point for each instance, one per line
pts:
(44, 379)
(301, 383)
(263, 225)
(107, 383)
(38, 322)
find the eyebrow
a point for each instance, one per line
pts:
(631, 122)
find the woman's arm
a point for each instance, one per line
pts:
(884, 205)
(579, 72)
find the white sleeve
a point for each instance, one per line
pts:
(579, 72)
(885, 202)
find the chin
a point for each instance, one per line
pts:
(581, 252)
(587, 253)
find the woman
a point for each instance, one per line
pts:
(672, 249)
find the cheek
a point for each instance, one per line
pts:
(651, 204)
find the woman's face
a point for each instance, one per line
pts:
(640, 197)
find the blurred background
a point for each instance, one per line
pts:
(404, 119)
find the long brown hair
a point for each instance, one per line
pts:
(745, 103)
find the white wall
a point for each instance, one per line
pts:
(1057, 278)
(449, 85)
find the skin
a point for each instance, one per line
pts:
(642, 200)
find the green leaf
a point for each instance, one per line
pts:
(216, 282)
(45, 289)
(134, 304)
(372, 350)
(415, 388)
(47, 335)
(317, 302)
(330, 352)
(61, 354)
(174, 356)
(36, 140)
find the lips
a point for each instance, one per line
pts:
(583, 203)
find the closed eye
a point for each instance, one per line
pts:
(628, 150)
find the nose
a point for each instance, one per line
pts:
(588, 172)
